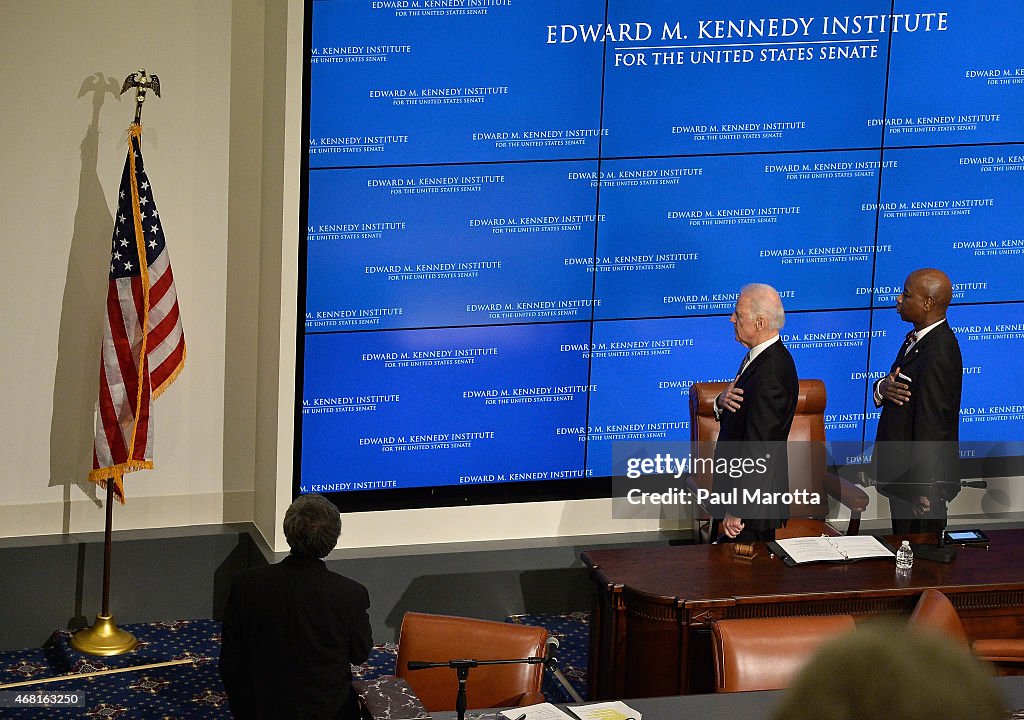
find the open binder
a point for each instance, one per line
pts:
(845, 548)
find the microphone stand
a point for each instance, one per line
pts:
(462, 672)
(551, 664)
(939, 552)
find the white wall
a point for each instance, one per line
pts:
(63, 151)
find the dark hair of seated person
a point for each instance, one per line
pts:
(312, 526)
(890, 671)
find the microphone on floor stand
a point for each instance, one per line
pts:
(551, 663)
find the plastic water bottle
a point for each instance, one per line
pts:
(905, 556)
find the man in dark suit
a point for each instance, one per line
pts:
(755, 413)
(916, 453)
(292, 630)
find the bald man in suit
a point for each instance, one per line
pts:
(917, 459)
(755, 413)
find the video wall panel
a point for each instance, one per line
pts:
(450, 246)
(957, 208)
(672, 228)
(957, 77)
(399, 82)
(527, 224)
(990, 336)
(450, 406)
(730, 77)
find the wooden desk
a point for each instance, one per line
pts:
(729, 706)
(650, 630)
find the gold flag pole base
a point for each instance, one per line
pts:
(104, 638)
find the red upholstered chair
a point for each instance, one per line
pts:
(935, 612)
(768, 653)
(439, 638)
(807, 462)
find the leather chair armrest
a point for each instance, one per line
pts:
(998, 650)
(848, 494)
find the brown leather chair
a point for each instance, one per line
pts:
(807, 462)
(768, 653)
(439, 638)
(935, 612)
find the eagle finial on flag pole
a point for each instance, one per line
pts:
(142, 82)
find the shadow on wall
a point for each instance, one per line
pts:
(76, 381)
(244, 555)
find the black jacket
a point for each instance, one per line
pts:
(291, 631)
(760, 429)
(916, 450)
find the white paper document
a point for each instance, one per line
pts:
(540, 711)
(833, 549)
(615, 710)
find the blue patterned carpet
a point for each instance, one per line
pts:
(194, 689)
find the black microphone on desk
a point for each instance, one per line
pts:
(941, 553)
(937, 552)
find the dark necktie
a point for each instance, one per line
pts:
(909, 342)
(743, 365)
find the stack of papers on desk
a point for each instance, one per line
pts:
(616, 710)
(594, 711)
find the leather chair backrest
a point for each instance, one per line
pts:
(768, 653)
(935, 612)
(807, 457)
(440, 638)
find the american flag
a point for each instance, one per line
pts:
(143, 344)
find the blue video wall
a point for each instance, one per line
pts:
(527, 222)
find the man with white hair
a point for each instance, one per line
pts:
(755, 413)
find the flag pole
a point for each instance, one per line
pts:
(104, 637)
